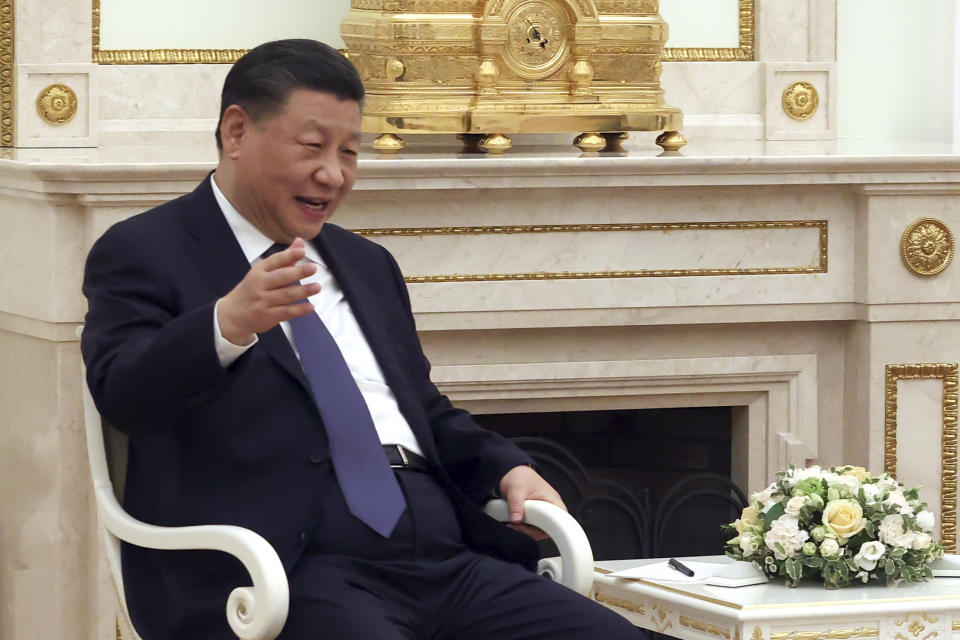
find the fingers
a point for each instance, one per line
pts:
(515, 502)
(289, 256)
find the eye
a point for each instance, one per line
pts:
(312, 145)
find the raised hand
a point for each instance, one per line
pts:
(267, 295)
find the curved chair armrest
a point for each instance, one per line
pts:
(576, 556)
(254, 613)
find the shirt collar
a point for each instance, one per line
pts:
(252, 242)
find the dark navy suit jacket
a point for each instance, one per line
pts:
(246, 445)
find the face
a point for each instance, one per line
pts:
(292, 168)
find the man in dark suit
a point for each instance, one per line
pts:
(208, 339)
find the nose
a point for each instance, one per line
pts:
(329, 172)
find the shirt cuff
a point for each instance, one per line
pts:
(227, 352)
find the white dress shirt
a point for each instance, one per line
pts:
(335, 312)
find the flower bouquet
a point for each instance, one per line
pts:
(838, 525)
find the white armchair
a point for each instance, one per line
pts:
(259, 612)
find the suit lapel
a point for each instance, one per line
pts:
(368, 311)
(219, 256)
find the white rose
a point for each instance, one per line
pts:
(829, 547)
(793, 506)
(921, 541)
(872, 492)
(850, 483)
(891, 532)
(897, 499)
(888, 483)
(799, 475)
(869, 554)
(785, 530)
(749, 544)
(765, 498)
(925, 520)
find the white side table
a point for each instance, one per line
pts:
(773, 611)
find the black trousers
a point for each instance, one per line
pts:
(423, 583)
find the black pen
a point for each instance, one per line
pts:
(679, 566)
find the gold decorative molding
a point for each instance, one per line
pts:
(6, 73)
(757, 634)
(948, 437)
(828, 634)
(156, 56)
(622, 603)
(706, 627)
(721, 54)
(820, 267)
(660, 617)
(926, 246)
(800, 100)
(57, 104)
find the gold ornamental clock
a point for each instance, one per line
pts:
(485, 69)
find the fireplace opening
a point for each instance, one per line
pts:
(643, 483)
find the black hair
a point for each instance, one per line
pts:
(262, 80)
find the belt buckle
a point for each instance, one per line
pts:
(403, 457)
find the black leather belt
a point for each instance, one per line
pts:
(401, 458)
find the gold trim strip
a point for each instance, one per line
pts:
(744, 52)
(821, 267)
(829, 634)
(948, 437)
(6, 73)
(706, 627)
(714, 54)
(623, 603)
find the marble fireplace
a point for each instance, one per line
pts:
(761, 278)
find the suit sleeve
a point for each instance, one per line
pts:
(148, 359)
(475, 458)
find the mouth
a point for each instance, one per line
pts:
(314, 205)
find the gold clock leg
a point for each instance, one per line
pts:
(590, 142)
(389, 143)
(495, 143)
(671, 140)
(471, 142)
(615, 141)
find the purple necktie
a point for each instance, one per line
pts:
(371, 490)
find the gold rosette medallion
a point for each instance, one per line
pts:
(800, 100)
(927, 246)
(57, 104)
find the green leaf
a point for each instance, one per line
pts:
(889, 568)
(775, 512)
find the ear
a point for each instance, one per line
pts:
(234, 127)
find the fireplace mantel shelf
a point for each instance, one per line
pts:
(168, 169)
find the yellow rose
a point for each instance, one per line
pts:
(750, 515)
(843, 518)
(859, 473)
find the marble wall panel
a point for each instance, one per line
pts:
(161, 91)
(888, 213)
(782, 28)
(692, 248)
(573, 206)
(38, 272)
(713, 87)
(33, 130)
(53, 31)
(822, 123)
(44, 488)
(919, 422)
